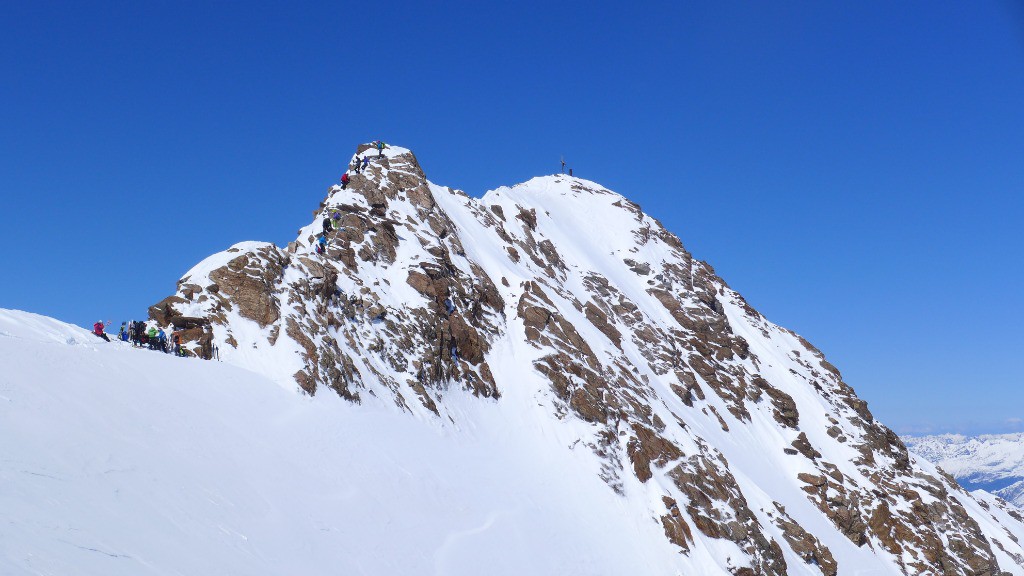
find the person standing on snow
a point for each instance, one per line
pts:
(140, 333)
(97, 329)
(366, 162)
(162, 340)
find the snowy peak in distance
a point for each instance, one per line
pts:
(991, 462)
(565, 304)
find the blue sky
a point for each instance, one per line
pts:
(853, 169)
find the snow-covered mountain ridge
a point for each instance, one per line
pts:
(561, 311)
(992, 462)
(732, 433)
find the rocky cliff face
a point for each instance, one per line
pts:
(736, 435)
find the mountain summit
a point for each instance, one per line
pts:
(580, 313)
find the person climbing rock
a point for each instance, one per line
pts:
(97, 329)
(366, 162)
(327, 225)
(380, 148)
(321, 244)
(344, 180)
(359, 164)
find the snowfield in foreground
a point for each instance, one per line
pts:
(121, 461)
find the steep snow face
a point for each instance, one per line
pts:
(117, 461)
(991, 462)
(563, 300)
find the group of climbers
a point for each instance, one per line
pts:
(330, 224)
(152, 337)
(359, 163)
(140, 336)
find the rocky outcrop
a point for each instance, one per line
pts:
(248, 282)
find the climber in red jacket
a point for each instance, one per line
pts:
(97, 329)
(344, 180)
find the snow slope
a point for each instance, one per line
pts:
(122, 461)
(990, 462)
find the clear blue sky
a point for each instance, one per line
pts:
(854, 169)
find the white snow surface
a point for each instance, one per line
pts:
(123, 461)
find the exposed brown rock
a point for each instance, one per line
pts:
(600, 320)
(676, 529)
(785, 407)
(529, 218)
(647, 447)
(806, 545)
(803, 445)
(249, 282)
(162, 312)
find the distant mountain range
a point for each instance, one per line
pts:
(993, 462)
